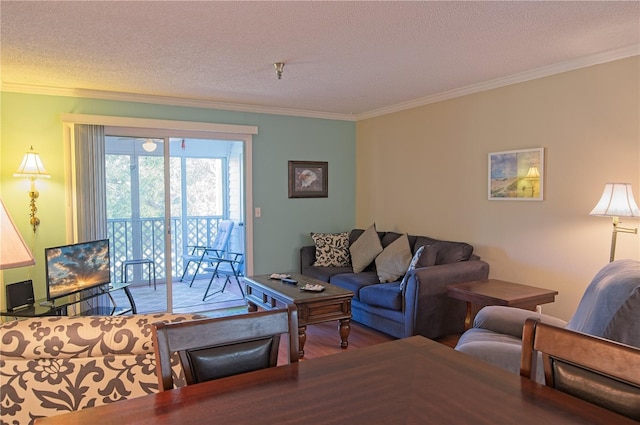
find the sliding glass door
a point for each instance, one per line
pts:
(201, 182)
(136, 217)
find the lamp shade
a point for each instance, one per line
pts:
(31, 166)
(616, 201)
(13, 250)
(533, 173)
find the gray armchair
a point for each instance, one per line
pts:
(609, 308)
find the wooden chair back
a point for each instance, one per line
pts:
(594, 369)
(218, 347)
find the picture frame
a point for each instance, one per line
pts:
(308, 179)
(516, 175)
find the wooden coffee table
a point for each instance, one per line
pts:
(333, 303)
(499, 292)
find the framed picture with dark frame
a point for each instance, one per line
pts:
(516, 175)
(308, 179)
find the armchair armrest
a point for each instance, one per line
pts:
(213, 252)
(510, 320)
(195, 250)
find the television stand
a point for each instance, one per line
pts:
(59, 307)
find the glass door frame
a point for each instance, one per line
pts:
(165, 129)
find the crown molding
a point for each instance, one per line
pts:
(545, 71)
(521, 77)
(171, 101)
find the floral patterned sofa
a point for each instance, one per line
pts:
(52, 365)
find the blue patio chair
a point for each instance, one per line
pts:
(230, 266)
(200, 254)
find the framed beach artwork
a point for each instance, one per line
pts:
(308, 179)
(517, 175)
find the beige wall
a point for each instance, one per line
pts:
(424, 171)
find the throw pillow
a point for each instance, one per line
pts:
(394, 260)
(332, 249)
(412, 266)
(365, 249)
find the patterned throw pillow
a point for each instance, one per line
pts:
(365, 249)
(332, 249)
(412, 266)
(392, 263)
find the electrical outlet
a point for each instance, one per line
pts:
(258, 212)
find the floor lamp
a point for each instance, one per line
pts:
(617, 201)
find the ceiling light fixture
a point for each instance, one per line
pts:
(279, 66)
(149, 145)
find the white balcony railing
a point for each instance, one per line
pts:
(131, 239)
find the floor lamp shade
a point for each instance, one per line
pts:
(13, 250)
(617, 201)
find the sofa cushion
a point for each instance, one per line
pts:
(386, 295)
(428, 257)
(365, 249)
(354, 281)
(498, 349)
(452, 252)
(392, 263)
(412, 266)
(324, 273)
(389, 237)
(332, 249)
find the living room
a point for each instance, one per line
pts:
(421, 170)
(419, 166)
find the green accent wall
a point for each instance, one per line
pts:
(28, 119)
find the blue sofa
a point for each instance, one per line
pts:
(422, 306)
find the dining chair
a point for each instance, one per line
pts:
(214, 348)
(598, 370)
(200, 254)
(231, 266)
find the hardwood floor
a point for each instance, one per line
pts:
(323, 339)
(449, 340)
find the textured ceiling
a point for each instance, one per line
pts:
(344, 58)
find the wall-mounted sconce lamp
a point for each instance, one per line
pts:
(13, 250)
(32, 168)
(617, 201)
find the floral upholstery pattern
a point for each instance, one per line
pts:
(53, 365)
(332, 249)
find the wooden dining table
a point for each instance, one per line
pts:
(407, 381)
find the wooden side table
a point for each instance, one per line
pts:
(499, 292)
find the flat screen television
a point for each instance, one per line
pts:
(74, 268)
